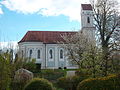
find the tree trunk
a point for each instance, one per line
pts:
(105, 59)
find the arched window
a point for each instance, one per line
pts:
(38, 54)
(88, 20)
(61, 54)
(51, 54)
(30, 54)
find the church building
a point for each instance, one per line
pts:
(44, 47)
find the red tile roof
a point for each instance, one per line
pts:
(86, 6)
(51, 37)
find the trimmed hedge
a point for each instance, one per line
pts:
(76, 80)
(69, 83)
(39, 84)
(111, 82)
(51, 75)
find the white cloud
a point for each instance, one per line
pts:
(8, 45)
(70, 8)
(1, 12)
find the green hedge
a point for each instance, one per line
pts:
(39, 84)
(76, 80)
(64, 83)
(111, 82)
(69, 83)
(82, 72)
(51, 75)
(17, 85)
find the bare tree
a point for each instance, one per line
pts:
(107, 21)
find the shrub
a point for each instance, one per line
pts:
(65, 83)
(69, 83)
(29, 64)
(76, 80)
(5, 71)
(51, 75)
(111, 82)
(15, 85)
(90, 84)
(81, 73)
(39, 84)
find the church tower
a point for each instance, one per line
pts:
(87, 21)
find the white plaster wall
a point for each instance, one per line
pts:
(44, 60)
(87, 28)
(84, 15)
(34, 46)
(89, 32)
(56, 57)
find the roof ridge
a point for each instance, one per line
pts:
(52, 31)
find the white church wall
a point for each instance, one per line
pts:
(45, 60)
(50, 57)
(34, 46)
(56, 62)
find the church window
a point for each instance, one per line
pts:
(88, 20)
(38, 54)
(51, 53)
(30, 54)
(61, 54)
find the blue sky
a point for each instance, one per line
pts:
(14, 25)
(19, 16)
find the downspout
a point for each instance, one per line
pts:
(45, 57)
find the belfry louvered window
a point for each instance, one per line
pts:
(88, 19)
